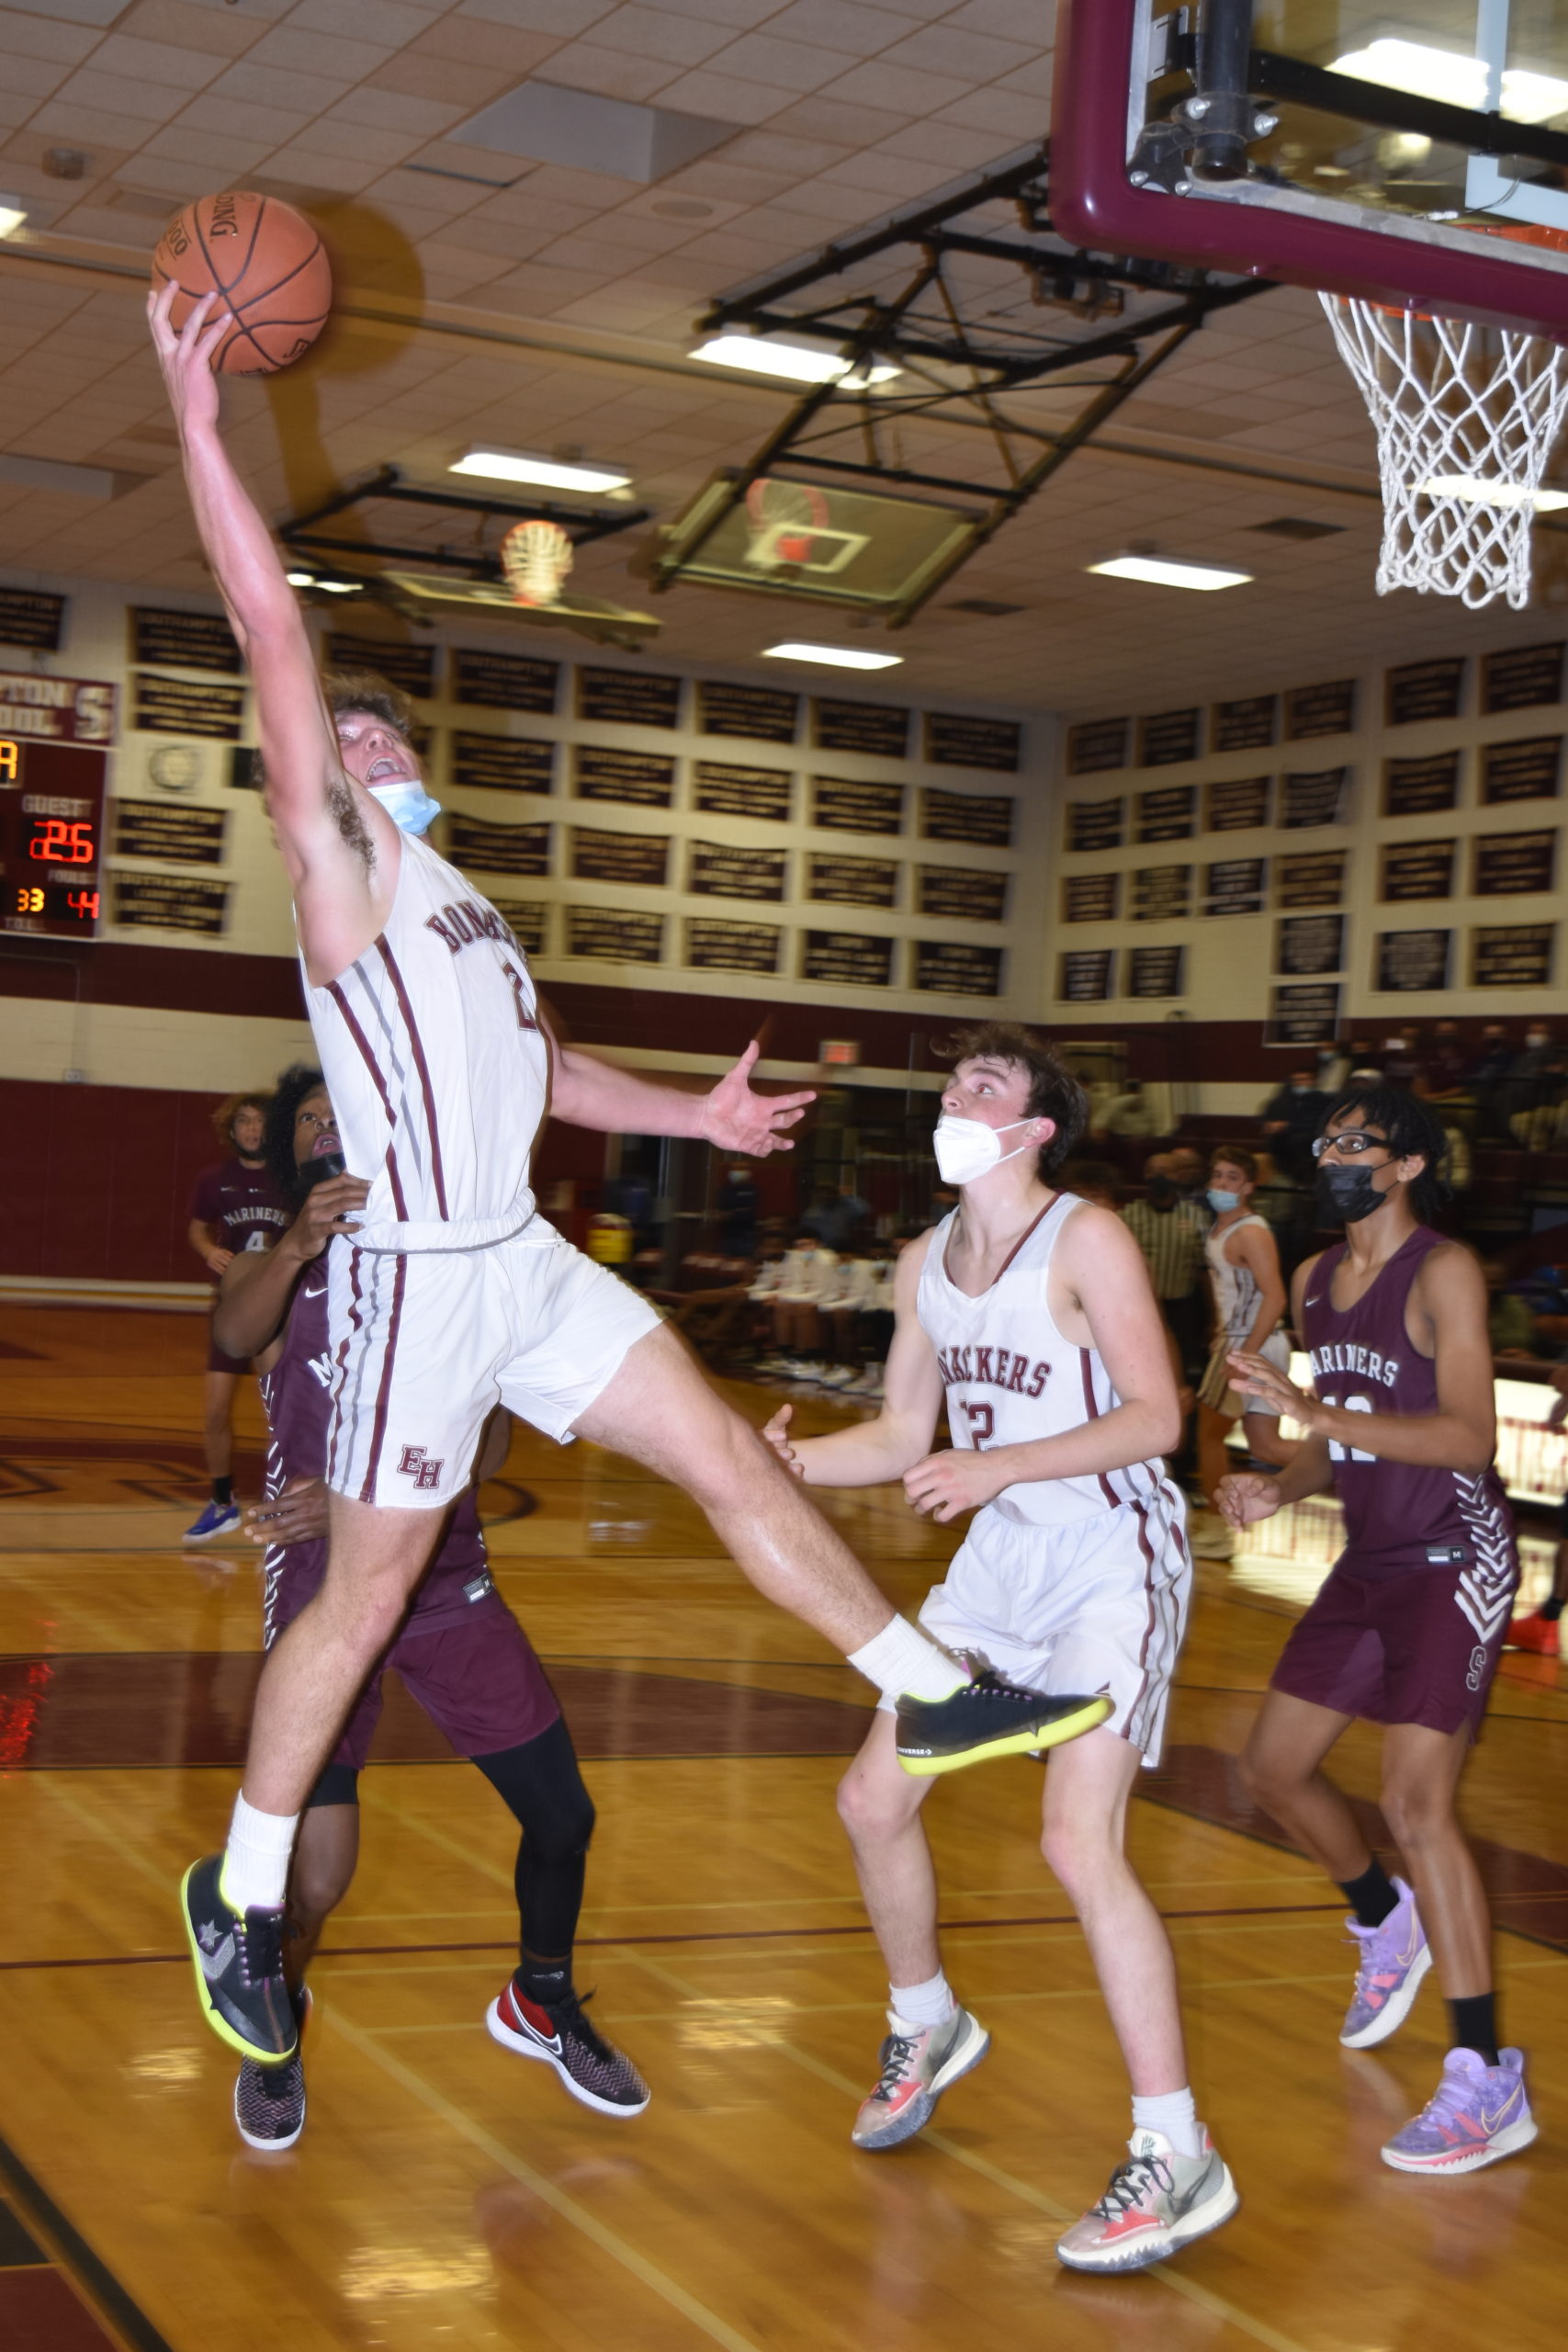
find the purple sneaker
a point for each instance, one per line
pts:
(1394, 1957)
(1478, 2114)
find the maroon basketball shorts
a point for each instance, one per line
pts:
(1419, 1646)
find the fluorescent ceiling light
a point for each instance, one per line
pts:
(1475, 491)
(800, 363)
(835, 657)
(546, 474)
(13, 213)
(1168, 572)
(301, 579)
(1458, 81)
(340, 587)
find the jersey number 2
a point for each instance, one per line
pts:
(524, 1011)
(982, 1422)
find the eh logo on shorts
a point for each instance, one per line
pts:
(415, 1465)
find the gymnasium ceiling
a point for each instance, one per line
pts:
(555, 314)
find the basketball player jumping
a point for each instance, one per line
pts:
(461, 1655)
(1407, 1629)
(1032, 1310)
(455, 1295)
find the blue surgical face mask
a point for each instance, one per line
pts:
(1221, 1201)
(409, 807)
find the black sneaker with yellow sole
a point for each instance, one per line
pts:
(238, 1957)
(986, 1717)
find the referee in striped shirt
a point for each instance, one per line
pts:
(1170, 1231)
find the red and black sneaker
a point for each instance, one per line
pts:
(557, 2032)
(270, 2101)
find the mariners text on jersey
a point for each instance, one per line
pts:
(1349, 1355)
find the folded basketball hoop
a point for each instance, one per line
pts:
(1465, 417)
(536, 555)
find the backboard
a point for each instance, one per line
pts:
(1331, 143)
(416, 593)
(814, 542)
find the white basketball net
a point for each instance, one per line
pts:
(536, 558)
(1465, 419)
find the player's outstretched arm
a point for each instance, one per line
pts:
(876, 1451)
(588, 1092)
(322, 831)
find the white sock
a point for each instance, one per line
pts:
(1175, 2114)
(923, 2005)
(901, 1658)
(255, 1860)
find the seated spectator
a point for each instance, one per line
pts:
(802, 1284)
(1443, 1076)
(1509, 1321)
(860, 1308)
(1127, 1114)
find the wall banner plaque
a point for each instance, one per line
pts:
(1101, 744)
(504, 681)
(1409, 960)
(1096, 824)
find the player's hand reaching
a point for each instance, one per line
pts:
(736, 1119)
(329, 1208)
(186, 356)
(298, 1515)
(1258, 1378)
(1246, 1496)
(953, 1480)
(776, 1434)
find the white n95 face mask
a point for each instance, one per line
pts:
(409, 807)
(967, 1147)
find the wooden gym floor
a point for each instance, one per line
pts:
(447, 2194)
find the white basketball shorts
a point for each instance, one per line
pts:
(1095, 1604)
(426, 1343)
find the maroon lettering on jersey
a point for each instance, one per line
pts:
(1020, 1366)
(416, 1464)
(983, 1363)
(960, 1367)
(442, 930)
(1041, 1375)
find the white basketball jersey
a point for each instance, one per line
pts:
(1011, 1377)
(437, 1066)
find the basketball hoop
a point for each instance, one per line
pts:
(1465, 417)
(535, 556)
(782, 520)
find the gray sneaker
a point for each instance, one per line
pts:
(1157, 2203)
(917, 2067)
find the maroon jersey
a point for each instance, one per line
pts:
(298, 1394)
(243, 1205)
(1398, 1515)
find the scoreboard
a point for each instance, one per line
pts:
(51, 822)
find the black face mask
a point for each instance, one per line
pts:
(1160, 1192)
(1344, 1195)
(316, 1172)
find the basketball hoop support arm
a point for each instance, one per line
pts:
(299, 533)
(925, 322)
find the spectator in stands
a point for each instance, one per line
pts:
(837, 1216)
(738, 1203)
(1443, 1076)
(1534, 1087)
(1292, 1117)
(1488, 1078)
(236, 1205)
(803, 1284)
(1538, 1631)
(1169, 1232)
(1509, 1322)
(857, 1304)
(1127, 1114)
(1403, 1055)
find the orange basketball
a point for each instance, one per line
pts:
(268, 265)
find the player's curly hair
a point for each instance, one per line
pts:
(1054, 1091)
(357, 690)
(229, 1110)
(277, 1141)
(367, 690)
(1413, 1131)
